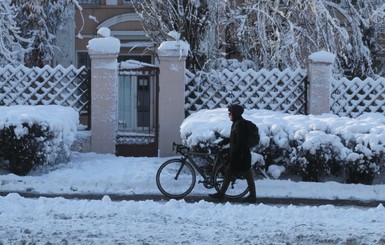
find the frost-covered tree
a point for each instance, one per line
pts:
(197, 21)
(376, 32)
(282, 33)
(274, 33)
(11, 43)
(39, 21)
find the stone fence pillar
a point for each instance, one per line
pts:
(319, 77)
(104, 93)
(172, 57)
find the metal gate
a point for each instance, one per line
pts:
(138, 127)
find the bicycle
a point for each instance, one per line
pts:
(176, 177)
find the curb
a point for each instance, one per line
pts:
(193, 199)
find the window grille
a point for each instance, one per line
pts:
(128, 2)
(90, 2)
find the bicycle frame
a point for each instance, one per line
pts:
(187, 156)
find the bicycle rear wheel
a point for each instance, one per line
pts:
(238, 185)
(175, 178)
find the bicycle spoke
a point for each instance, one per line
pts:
(237, 188)
(175, 178)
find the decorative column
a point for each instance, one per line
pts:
(104, 91)
(172, 59)
(319, 76)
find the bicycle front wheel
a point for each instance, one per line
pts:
(175, 178)
(238, 185)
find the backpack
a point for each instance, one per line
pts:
(253, 134)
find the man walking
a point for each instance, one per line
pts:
(240, 157)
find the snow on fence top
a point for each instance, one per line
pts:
(44, 86)
(354, 97)
(276, 90)
(264, 89)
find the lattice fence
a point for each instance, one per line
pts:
(354, 97)
(272, 90)
(45, 86)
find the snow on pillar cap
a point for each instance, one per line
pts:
(104, 44)
(173, 36)
(104, 32)
(174, 48)
(322, 56)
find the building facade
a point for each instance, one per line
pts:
(120, 17)
(137, 96)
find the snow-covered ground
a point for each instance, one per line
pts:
(62, 221)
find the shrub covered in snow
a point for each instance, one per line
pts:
(35, 135)
(312, 147)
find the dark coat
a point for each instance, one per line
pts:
(240, 157)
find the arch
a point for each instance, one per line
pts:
(118, 19)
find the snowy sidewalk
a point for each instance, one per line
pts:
(93, 176)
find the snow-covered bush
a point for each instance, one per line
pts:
(35, 135)
(315, 155)
(21, 152)
(275, 146)
(313, 147)
(363, 163)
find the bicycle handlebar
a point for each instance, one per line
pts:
(182, 149)
(179, 148)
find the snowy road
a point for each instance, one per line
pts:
(63, 221)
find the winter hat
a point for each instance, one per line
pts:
(236, 110)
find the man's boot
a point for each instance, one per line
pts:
(218, 196)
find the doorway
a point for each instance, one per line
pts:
(138, 109)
